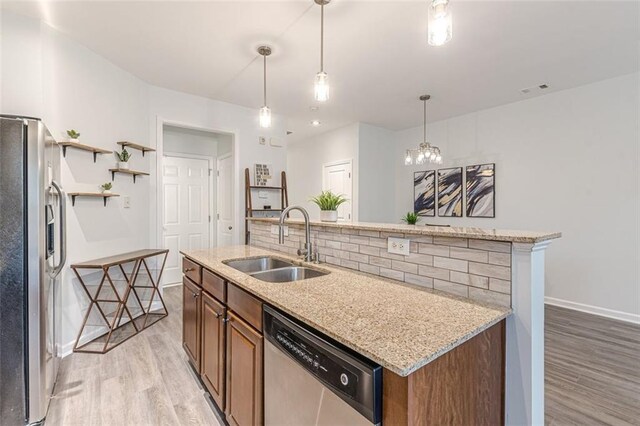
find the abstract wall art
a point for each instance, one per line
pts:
(481, 190)
(424, 193)
(450, 192)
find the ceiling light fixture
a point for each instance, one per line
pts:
(321, 87)
(425, 153)
(440, 23)
(265, 112)
(315, 123)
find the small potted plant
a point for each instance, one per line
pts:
(73, 136)
(123, 159)
(328, 203)
(411, 218)
(106, 187)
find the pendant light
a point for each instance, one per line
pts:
(425, 152)
(440, 25)
(265, 111)
(321, 86)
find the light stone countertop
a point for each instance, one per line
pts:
(514, 236)
(396, 325)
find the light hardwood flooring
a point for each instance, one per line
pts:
(592, 376)
(592, 369)
(144, 381)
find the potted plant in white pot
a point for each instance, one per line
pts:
(106, 187)
(73, 136)
(329, 203)
(123, 159)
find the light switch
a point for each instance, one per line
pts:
(274, 230)
(398, 246)
(126, 201)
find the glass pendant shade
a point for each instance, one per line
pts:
(321, 87)
(265, 117)
(408, 160)
(440, 25)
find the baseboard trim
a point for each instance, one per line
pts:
(595, 310)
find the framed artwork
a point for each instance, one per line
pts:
(481, 200)
(262, 174)
(450, 192)
(424, 193)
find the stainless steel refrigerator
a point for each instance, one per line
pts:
(32, 254)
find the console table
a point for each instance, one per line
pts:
(110, 301)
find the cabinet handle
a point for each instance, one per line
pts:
(227, 319)
(187, 270)
(217, 314)
(195, 295)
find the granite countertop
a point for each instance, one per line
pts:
(396, 325)
(514, 236)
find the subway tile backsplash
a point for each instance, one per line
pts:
(476, 269)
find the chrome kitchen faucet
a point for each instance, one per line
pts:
(307, 251)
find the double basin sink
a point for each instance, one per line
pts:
(274, 270)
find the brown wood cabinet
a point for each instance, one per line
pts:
(191, 320)
(244, 373)
(212, 361)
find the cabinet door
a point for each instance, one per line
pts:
(244, 373)
(191, 311)
(213, 355)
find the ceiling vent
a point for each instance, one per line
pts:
(533, 89)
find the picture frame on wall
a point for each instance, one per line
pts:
(480, 190)
(424, 193)
(262, 174)
(450, 200)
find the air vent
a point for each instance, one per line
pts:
(533, 89)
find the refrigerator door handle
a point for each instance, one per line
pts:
(62, 199)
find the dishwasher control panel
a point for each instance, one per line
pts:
(322, 365)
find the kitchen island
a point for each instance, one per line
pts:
(497, 266)
(443, 355)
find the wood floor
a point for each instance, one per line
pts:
(592, 376)
(144, 381)
(592, 370)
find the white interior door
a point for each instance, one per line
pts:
(225, 201)
(185, 188)
(337, 178)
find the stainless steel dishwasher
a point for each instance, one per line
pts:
(310, 380)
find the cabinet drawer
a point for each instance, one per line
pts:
(245, 305)
(214, 285)
(192, 270)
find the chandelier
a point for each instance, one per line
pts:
(425, 153)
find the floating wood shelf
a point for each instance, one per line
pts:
(83, 147)
(133, 173)
(136, 146)
(102, 195)
(266, 210)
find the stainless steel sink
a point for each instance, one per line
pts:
(288, 274)
(257, 264)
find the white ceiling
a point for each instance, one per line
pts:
(376, 53)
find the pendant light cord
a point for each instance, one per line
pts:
(265, 79)
(424, 123)
(322, 37)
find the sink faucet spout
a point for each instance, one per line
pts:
(307, 251)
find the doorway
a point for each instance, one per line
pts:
(195, 200)
(337, 177)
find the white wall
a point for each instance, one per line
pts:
(376, 148)
(69, 86)
(306, 158)
(566, 161)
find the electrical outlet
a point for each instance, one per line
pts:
(274, 230)
(127, 202)
(398, 246)
(262, 140)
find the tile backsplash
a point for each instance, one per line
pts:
(476, 269)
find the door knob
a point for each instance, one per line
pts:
(230, 228)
